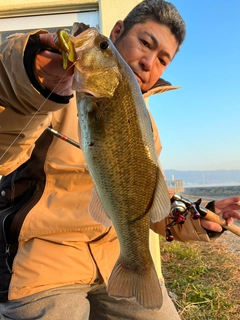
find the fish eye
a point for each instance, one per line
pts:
(103, 45)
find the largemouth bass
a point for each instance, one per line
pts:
(118, 144)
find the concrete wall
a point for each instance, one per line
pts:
(110, 11)
(11, 8)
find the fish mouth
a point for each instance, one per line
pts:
(92, 94)
(84, 93)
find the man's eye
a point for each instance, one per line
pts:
(162, 62)
(145, 43)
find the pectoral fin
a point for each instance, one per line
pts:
(161, 203)
(97, 211)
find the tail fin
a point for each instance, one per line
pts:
(144, 287)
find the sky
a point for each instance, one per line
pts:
(199, 124)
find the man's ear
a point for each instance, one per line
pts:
(117, 30)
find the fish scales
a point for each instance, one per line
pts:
(117, 141)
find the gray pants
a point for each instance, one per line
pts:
(83, 302)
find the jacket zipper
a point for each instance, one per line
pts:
(7, 246)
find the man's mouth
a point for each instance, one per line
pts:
(139, 79)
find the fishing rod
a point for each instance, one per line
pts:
(181, 207)
(63, 137)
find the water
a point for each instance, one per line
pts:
(214, 193)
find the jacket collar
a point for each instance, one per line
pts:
(159, 87)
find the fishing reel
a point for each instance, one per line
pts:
(180, 209)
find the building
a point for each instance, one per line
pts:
(175, 185)
(21, 15)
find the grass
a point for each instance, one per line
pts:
(202, 279)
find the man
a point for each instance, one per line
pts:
(55, 260)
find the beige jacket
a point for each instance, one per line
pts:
(59, 243)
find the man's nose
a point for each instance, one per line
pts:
(147, 62)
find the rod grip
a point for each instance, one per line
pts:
(211, 216)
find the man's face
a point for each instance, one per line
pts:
(148, 48)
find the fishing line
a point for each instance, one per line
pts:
(37, 111)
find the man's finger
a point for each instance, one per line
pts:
(212, 226)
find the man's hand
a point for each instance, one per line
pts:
(228, 209)
(49, 68)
